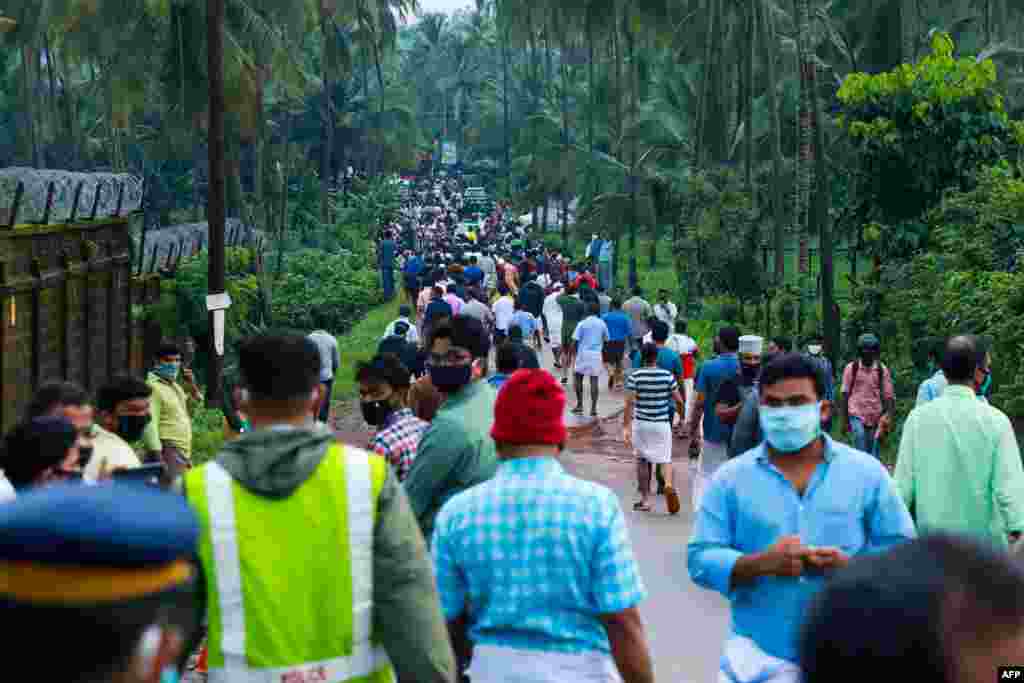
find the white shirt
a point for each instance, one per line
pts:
(110, 452)
(552, 310)
(7, 493)
(681, 344)
(412, 335)
(666, 313)
(504, 308)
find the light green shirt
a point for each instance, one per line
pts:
(959, 468)
(457, 452)
(172, 421)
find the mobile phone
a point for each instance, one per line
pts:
(147, 475)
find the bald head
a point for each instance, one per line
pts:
(963, 356)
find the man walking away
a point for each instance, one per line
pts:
(383, 388)
(589, 339)
(504, 308)
(768, 534)
(665, 310)
(738, 391)
(619, 329)
(959, 466)
(688, 351)
(713, 374)
(403, 326)
(565, 614)
(456, 452)
(554, 320)
(868, 397)
(639, 311)
(605, 274)
(330, 363)
(300, 590)
(647, 423)
(573, 311)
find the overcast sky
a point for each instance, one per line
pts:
(444, 5)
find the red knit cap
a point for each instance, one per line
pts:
(529, 410)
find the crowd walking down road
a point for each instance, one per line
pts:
(551, 483)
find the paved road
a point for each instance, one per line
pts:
(686, 625)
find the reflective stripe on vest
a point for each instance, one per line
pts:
(367, 661)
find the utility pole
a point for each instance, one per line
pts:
(215, 301)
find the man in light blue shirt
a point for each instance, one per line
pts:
(330, 362)
(776, 521)
(589, 338)
(535, 567)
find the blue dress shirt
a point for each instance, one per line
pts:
(850, 503)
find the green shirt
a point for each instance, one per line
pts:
(573, 311)
(456, 452)
(172, 421)
(959, 468)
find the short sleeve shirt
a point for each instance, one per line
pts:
(713, 374)
(534, 557)
(619, 325)
(591, 334)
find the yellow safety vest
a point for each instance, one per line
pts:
(290, 580)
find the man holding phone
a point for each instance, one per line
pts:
(168, 438)
(777, 520)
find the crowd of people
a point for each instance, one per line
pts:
(456, 545)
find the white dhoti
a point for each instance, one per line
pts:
(712, 456)
(491, 664)
(744, 662)
(652, 441)
(589, 363)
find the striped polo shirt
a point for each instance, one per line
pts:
(654, 388)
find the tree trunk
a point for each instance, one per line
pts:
(634, 180)
(705, 95)
(778, 202)
(748, 81)
(564, 72)
(327, 143)
(27, 55)
(822, 201)
(505, 96)
(806, 162)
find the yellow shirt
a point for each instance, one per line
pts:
(172, 421)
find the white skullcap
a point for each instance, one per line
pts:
(750, 343)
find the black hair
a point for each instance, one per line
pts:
(438, 291)
(515, 332)
(616, 303)
(648, 353)
(905, 607)
(452, 288)
(168, 349)
(792, 366)
(659, 331)
(53, 395)
(100, 640)
(638, 291)
(34, 446)
(785, 344)
(465, 332)
(680, 326)
(405, 310)
(120, 389)
(963, 355)
(279, 366)
(384, 368)
(730, 337)
(594, 308)
(508, 359)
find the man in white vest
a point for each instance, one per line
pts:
(314, 564)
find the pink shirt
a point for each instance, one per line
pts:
(865, 402)
(455, 302)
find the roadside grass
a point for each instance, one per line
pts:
(360, 344)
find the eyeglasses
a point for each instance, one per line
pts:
(453, 357)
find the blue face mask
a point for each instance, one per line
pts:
(790, 428)
(986, 386)
(168, 371)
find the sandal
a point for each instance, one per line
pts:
(577, 410)
(641, 506)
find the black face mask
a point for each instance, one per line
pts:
(749, 373)
(131, 427)
(450, 378)
(84, 455)
(375, 412)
